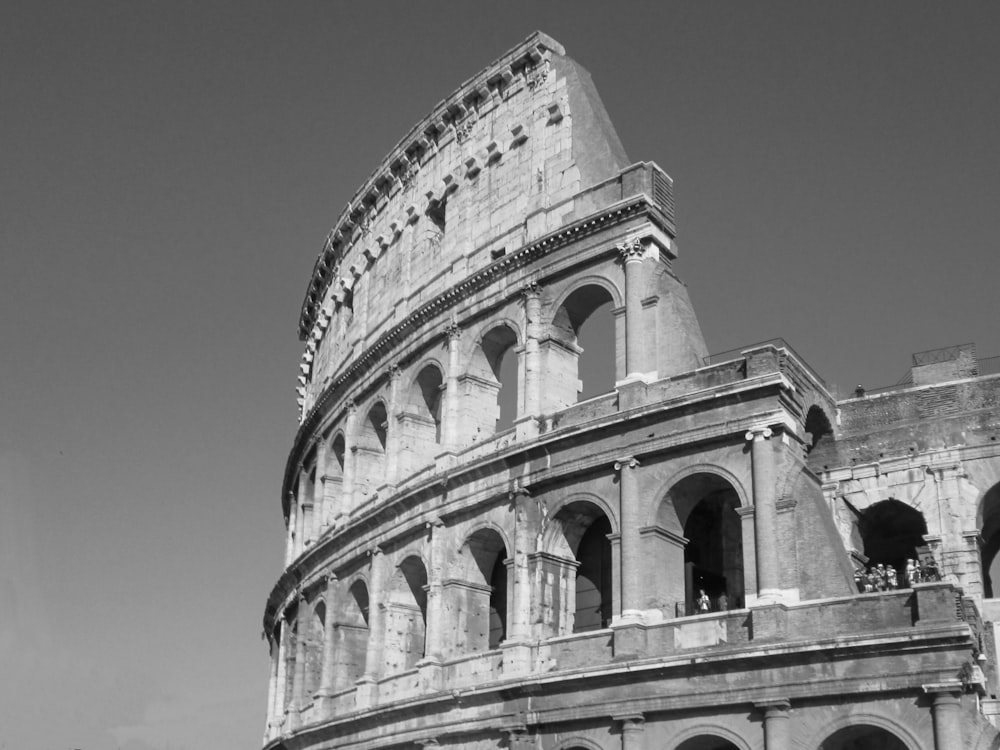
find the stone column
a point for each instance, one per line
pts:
(376, 620)
(632, 253)
(320, 510)
(632, 731)
(947, 712)
(532, 355)
(350, 457)
(434, 636)
(631, 561)
(519, 618)
(777, 733)
(450, 436)
(329, 633)
(299, 678)
(304, 529)
(272, 684)
(765, 514)
(281, 680)
(392, 427)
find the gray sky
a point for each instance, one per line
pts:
(168, 173)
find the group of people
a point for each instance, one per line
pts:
(886, 578)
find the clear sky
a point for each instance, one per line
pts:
(168, 173)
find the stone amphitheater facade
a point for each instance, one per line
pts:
(481, 554)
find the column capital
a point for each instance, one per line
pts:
(453, 331)
(531, 290)
(394, 371)
(351, 407)
(626, 462)
(631, 250)
(773, 706)
(761, 432)
(630, 722)
(943, 691)
(434, 523)
(330, 577)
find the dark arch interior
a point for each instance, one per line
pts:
(707, 742)
(428, 396)
(379, 421)
(713, 555)
(990, 533)
(498, 603)
(497, 346)
(862, 738)
(891, 532)
(586, 320)
(817, 426)
(593, 578)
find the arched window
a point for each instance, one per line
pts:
(706, 538)
(352, 636)
(478, 593)
(579, 592)
(580, 354)
(990, 532)
(891, 532)
(406, 616)
(370, 470)
(862, 737)
(314, 649)
(491, 385)
(420, 421)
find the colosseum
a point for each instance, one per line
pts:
(496, 539)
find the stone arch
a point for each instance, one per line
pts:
(421, 418)
(578, 743)
(988, 523)
(891, 531)
(723, 737)
(490, 384)
(698, 542)
(406, 615)
(351, 632)
(370, 448)
(576, 368)
(479, 592)
(579, 563)
(865, 719)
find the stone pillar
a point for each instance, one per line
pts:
(777, 733)
(292, 524)
(631, 560)
(946, 710)
(320, 510)
(299, 678)
(519, 618)
(274, 647)
(281, 680)
(532, 354)
(333, 606)
(350, 459)
(435, 602)
(450, 436)
(304, 501)
(632, 731)
(765, 514)
(376, 618)
(392, 442)
(632, 253)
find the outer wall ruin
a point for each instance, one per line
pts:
(477, 557)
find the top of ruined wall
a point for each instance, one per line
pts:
(487, 117)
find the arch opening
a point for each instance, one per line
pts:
(707, 742)
(314, 648)
(891, 532)
(480, 596)
(704, 506)
(862, 737)
(817, 427)
(406, 616)
(352, 636)
(370, 454)
(990, 533)
(580, 567)
(493, 383)
(420, 420)
(580, 354)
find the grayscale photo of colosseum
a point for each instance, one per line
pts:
(499, 537)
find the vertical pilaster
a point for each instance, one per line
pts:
(532, 355)
(450, 437)
(274, 648)
(632, 253)
(392, 426)
(304, 500)
(333, 606)
(350, 458)
(281, 681)
(519, 618)
(292, 522)
(630, 573)
(435, 606)
(299, 678)
(376, 618)
(320, 511)
(946, 709)
(765, 514)
(777, 732)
